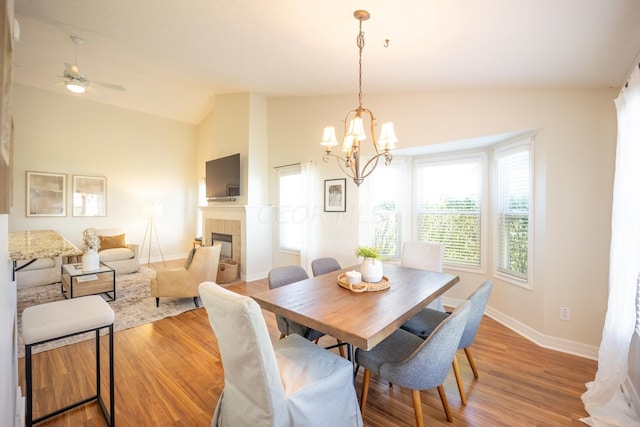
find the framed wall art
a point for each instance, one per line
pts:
(46, 194)
(89, 195)
(335, 195)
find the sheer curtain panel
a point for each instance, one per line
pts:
(604, 400)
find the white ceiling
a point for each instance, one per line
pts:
(174, 56)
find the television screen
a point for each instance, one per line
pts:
(223, 177)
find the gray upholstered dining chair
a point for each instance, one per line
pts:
(324, 265)
(423, 324)
(409, 361)
(281, 276)
(274, 384)
(425, 256)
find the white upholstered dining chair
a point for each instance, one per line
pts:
(289, 382)
(425, 256)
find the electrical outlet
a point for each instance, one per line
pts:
(565, 313)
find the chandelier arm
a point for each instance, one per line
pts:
(340, 160)
(373, 163)
(372, 129)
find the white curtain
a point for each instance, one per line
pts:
(603, 399)
(307, 247)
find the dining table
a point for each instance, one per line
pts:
(358, 319)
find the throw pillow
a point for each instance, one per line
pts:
(112, 242)
(189, 258)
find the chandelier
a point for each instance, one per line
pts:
(354, 130)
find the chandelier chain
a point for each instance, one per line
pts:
(360, 43)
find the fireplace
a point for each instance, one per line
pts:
(227, 232)
(226, 242)
(250, 228)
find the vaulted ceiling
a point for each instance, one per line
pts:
(174, 56)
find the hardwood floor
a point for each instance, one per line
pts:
(169, 373)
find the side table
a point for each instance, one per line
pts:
(76, 282)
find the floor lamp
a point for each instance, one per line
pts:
(155, 209)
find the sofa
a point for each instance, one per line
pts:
(116, 253)
(41, 271)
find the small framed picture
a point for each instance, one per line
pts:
(46, 194)
(335, 195)
(89, 195)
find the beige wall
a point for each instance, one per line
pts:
(146, 159)
(237, 124)
(574, 166)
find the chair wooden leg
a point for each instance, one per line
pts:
(365, 390)
(472, 362)
(417, 407)
(157, 302)
(456, 371)
(340, 349)
(445, 403)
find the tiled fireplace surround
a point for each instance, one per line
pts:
(225, 226)
(251, 231)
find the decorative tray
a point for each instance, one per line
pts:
(364, 286)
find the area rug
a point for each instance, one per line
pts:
(134, 306)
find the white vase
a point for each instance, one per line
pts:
(371, 270)
(90, 260)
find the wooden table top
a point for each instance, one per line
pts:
(24, 245)
(361, 319)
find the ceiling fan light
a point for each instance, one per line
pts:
(75, 87)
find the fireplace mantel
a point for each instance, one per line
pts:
(255, 249)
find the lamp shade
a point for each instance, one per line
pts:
(356, 128)
(388, 137)
(329, 137)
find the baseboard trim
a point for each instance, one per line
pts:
(545, 341)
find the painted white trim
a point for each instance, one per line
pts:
(20, 408)
(545, 341)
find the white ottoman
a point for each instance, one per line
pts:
(62, 319)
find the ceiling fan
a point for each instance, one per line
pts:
(75, 81)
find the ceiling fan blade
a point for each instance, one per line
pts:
(107, 85)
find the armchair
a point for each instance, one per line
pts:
(116, 252)
(183, 282)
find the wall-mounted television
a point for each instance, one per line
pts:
(223, 178)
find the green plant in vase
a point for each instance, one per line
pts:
(367, 252)
(371, 267)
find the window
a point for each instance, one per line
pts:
(448, 207)
(384, 194)
(512, 212)
(291, 208)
